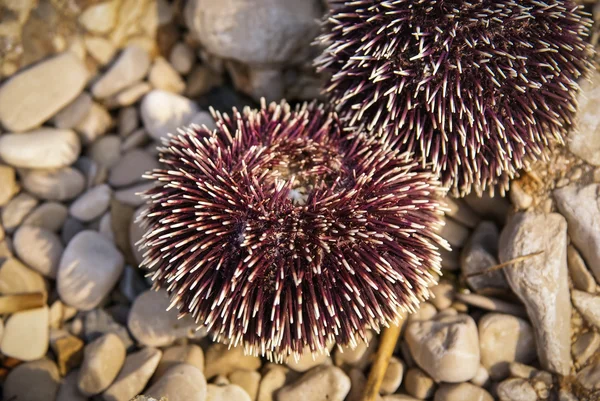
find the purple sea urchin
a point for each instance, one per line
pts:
(277, 233)
(478, 88)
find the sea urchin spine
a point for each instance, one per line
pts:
(275, 232)
(478, 88)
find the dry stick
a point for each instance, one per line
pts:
(382, 360)
(19, 302)
(507, 263)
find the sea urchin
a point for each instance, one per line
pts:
(478, 88)
(275, 232)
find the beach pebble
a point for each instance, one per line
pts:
(393, 376)
(586, 346)
(425, 312)
(581, 276)
(180, 383)
(152, 325)
(8, 184)
(100, 18)
(88, 270)
(516, 390)
(222, 361)
(248, 380)
(589, 377)
(40, 149)
(190, 354)
(32, 381)
(229, 392)
(131, 195)
(91, 204)
(461, 392)
(130, 66)
(74, 112)
(504, 339)
(163, 112)
(455, 233)
(588, 305)
(26, 334)
(541, 282)
(103, 358)
(308, 361)
(130, 168)
(49, 215)
(443, 295)
(137, 370)
(67, 348)
(95, 123)
(58, 185)
(321, 383)
(273, 378)
(16, 210)
(16, 278)
(98, 322)
(106, 150)
(182, 58)
(136, 231)
(52, 88)
(68, 390)
(39, 248)
(446, 347)
(360, 356)
(203, 118)
(584, 139)
(164, 77)
(418, 384)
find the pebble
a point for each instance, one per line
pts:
(39, 248)
(99, 18)
(589, 377)
(494, 208)
(201, 80)
(152, 325)
(8, 184)
(53, 89)
(130, 168)
(128, 121)
(98, 322)
(88, 270)
(136, 231)
(274, 377)
(91, 204)
(100, 49)
(398, 397)
(57, 185)
(308, 360)
(461, 392)
(130, 66)
(133, 377)
(129, 95)
(96, 122)
(443, 295)
(461, 212)
(164, 77)
(446, 347)
(581, 208)
(504, 339)
(180, 383)
(360, 356)
(106, 151)
(418, 384)
(137, 139)
(588, 305)
(70, 229)
(321, 383)
(26, 335)
(521, 199)
(131, 195)
(455, 233)
(393, 376)
(16, 210)
(16, 278)
(516, 390)
(182, 58)
(541, 282)
(492, 304)
(73, 113)
(49, 215)
(32, 381)
(102, 361)
(229, 392)
(425, 312)
(482, 378)
(163, 112)
(222, 361)
(67, 348)
(586, 346)
(203, 119)
(68, 390)
(40, 149)
(583, 139)
(580, 275)
(248, 380)
(190, 354)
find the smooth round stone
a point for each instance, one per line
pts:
(35, 94)
(136, 232)
(152, 325)
(443, 295)
(248, 380)
(229, 392)
(163, 76)
(132, 195)
(39, 248)
(204, 118)
(42, 148)
(58, 185)
(100, 18)
(447, 347)
(163, 112)
(131, 66)
(102, 361)
(180, 383)
(26, 334)
(32, 381)
(49, 215)
(308, 360)
(89, 268)
(16, 278)
(516, 390)
(586, 346)
(274, 378)
(419, 384)
(504, 339)
(426, 311)
(461, 392)
(92, 204)
(8, 184)
(68, 390)
(137, 370)
(96, 123)
(323, 382)
(130, 168)
(589, 377)
(221, 360)
(360, 356)
(74, 112)
(70, 229)
(393, 376)
(16, 210)
(106, 150)
(182, 58)
(190, 354)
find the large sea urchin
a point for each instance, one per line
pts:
(479, 88)
(275, 232)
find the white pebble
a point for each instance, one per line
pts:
(26, 334)
(91, 204)
(59, 185)
(163, 112)
(131, 66)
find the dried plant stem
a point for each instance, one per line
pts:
(507, 263)
(19, 302)
(389, 338)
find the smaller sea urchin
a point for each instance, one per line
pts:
(275, 232)
(478, 88)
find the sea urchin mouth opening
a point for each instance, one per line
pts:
(276, 232)
(477, 88)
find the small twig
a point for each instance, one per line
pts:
(507, 263)
(20, 302)
(387, 344)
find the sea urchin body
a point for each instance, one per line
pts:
(276, 233)
(478, 88)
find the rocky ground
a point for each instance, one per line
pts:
(516, 315)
